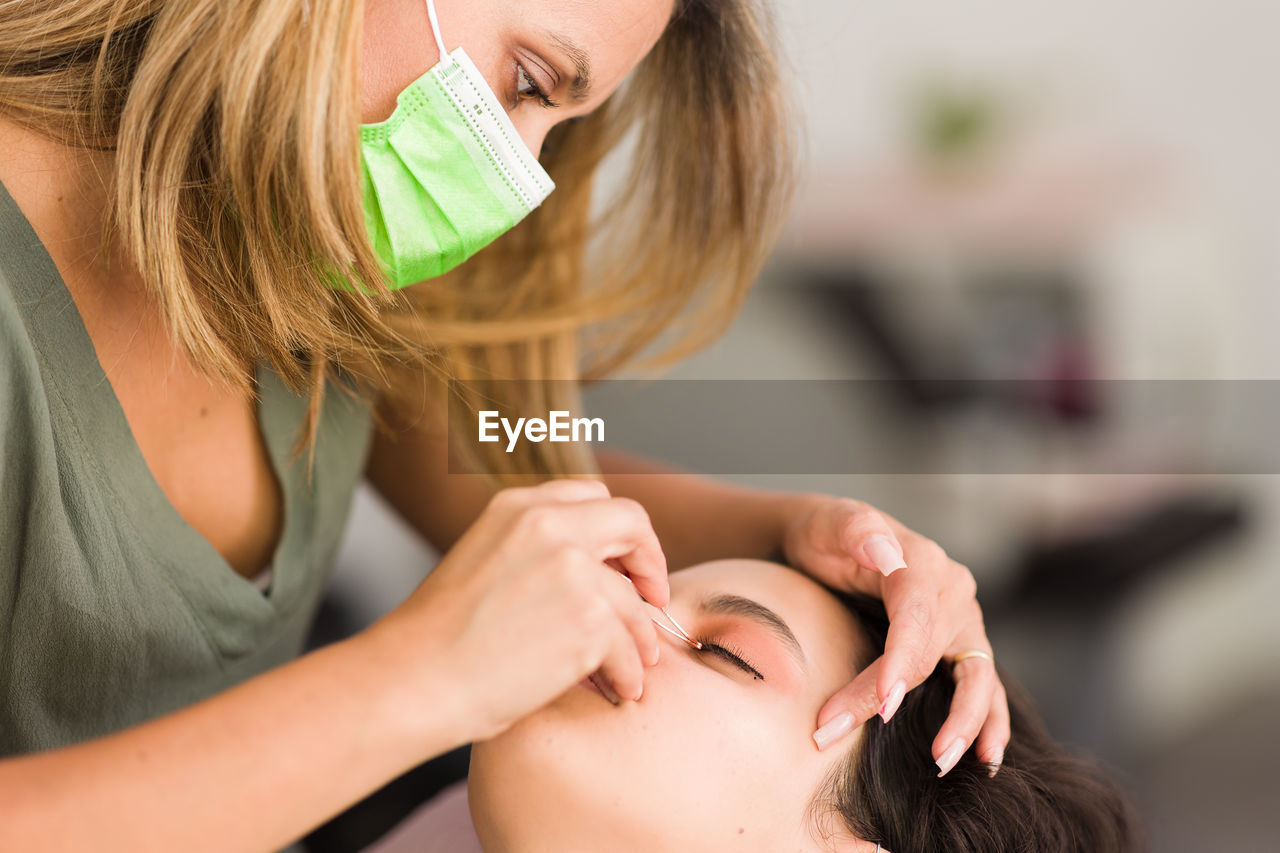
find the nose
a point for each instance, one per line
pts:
(532, 133)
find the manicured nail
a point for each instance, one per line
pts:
(993, 763)
(893, 700)
(951, 756)
(839, 726)
(885, 556)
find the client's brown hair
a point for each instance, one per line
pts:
(1044, 799)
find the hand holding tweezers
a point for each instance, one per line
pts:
(678, 632)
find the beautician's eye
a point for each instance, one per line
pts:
(732, 655)
(527, 88)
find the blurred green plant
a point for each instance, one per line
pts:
(953, 126)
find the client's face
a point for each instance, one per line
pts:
(716, 755)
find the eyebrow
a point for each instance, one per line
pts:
(580, 88)
(736, 605)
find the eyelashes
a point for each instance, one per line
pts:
(527, 88)
(732, 655)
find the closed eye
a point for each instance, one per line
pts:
(528, 88)
(732, 655)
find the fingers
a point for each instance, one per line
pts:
(635, 616)
(622, 667)
(850, 707)
(866, 535)
(567, 490)
(611, 528)
(576, 520)
(932, 608)
(976, 683)
(911, 652)
(979, 707)
(927, 608)
(979, 713)
(634, 642)
(619, 530)
(608, 530)
(516, 499)
(911, 649)
(925, 617)
(995, 733)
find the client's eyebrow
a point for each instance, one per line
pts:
(580, 88)
(735, 605)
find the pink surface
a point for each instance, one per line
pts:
(442, 825)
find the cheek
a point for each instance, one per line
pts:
(701, 757)
(729, 753)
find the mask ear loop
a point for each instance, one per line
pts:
(435, 28)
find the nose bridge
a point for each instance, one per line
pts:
(533, 130)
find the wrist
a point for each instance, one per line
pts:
(796, 509)
(773, 519)
(415, 698)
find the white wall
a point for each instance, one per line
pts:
(1188, 85)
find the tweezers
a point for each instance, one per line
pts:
(678, 632)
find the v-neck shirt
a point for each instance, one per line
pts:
(113, 609)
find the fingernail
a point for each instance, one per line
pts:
(893, 700)
(951, 756)
(994, 763)
(885, 556)
(839, 726)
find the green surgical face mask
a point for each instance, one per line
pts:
(447, 173)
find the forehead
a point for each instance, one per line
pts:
(831, 637)
(615, 36)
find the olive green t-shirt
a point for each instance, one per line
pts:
(113, 609)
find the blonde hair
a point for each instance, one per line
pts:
(237, 194)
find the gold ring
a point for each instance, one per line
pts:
(971, 653)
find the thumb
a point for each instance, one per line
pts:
(869, 539)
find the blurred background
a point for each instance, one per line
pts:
(1085, 193)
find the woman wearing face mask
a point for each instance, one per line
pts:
(715, 744)
(209, 218)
